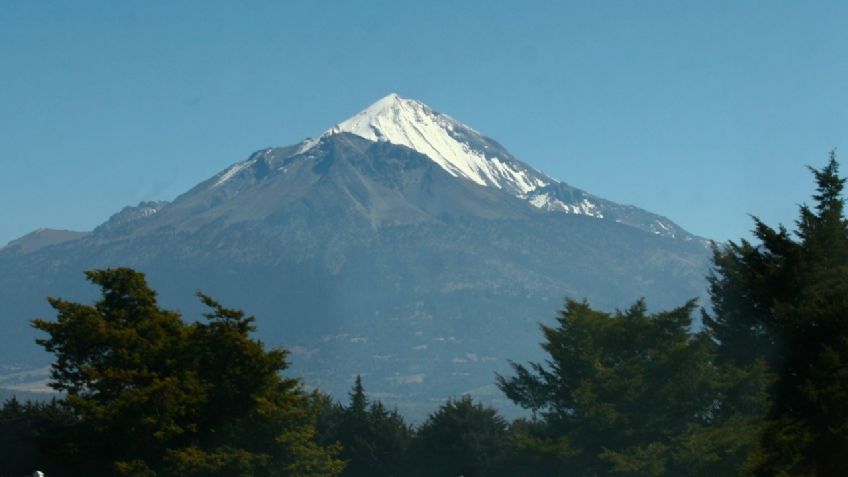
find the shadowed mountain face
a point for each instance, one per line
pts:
(367, 256)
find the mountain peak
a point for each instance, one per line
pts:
(391, 98)
(463, 153)
(389, 114)
(383, 106)
(457, 148)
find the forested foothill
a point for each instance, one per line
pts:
(758, 387)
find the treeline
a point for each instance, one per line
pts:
(761, 389)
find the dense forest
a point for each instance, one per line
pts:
(759, 389)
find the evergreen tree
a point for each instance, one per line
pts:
(17, 450)
(632, 393)
(374, 439)
(358, 400)
(787, 299)
(153, 395)
(461, 438)
(27, 431)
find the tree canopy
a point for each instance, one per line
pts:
(461, 438)
(761, 389)
(155, 396)
(375, 440)
(630, 393)
(786, 298)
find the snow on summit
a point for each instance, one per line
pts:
(458, 149)
(466, 154)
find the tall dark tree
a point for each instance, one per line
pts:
(631, 393)
(374, 439)
(787, 299)
(154, 395)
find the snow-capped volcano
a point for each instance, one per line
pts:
(464, 154)
(400, 238)
(457, 148)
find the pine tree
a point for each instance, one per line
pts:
(462, 438)
(153, 395)
(787, 299)
(358, 406)
(374, 439)
(631, 393)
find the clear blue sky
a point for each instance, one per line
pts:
(701, 111)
